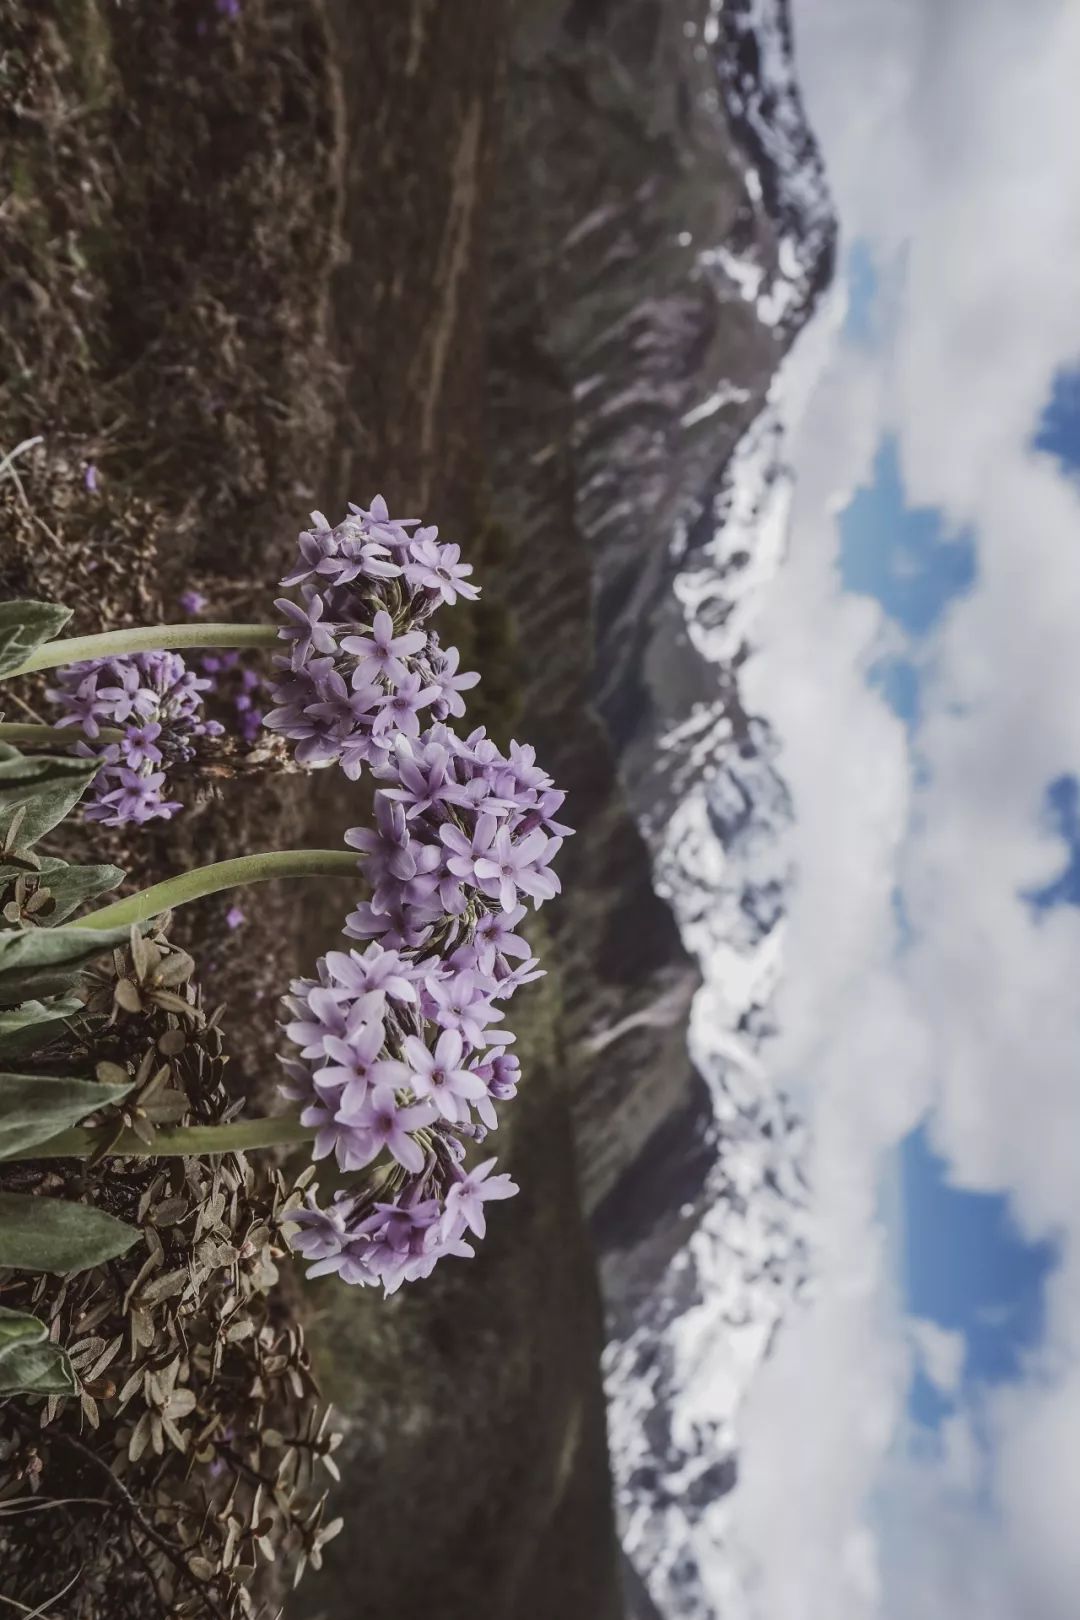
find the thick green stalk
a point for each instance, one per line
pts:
(204, 880)
(26, 731)
(146, 638)
(184, 1141)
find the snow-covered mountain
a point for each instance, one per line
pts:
(677, 1378)
(667, 230)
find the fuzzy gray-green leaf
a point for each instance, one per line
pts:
(29, 1364)
(49, 1234)
(43, 962)
(45, 787)
(24, 626)
(34, 1107)
(23, 1029)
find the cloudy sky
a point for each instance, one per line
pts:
(913, 1448)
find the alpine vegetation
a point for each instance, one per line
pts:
(398, 1049)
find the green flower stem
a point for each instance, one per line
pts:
(146, 638)
(187, 886)
(17, 731)
(182, 1142)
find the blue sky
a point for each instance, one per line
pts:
(1059, 430)
(938, 1061)
(962, 1262)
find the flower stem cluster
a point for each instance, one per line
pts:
(400, 1057)
(157, 702)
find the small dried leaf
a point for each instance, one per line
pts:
(181, 1402)
(168, 1427)
(176, 969)
(112, 1074)
(143, 1129)
(126, 995)
(165, 1287)
(133, 1383)
(167, 1108)
(143, 955)
(140, 1438)
(169, 1211)
(171, 1002)
(105, 1359)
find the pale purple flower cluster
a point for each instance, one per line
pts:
(157, 702)
(361, 669)
(400, 1055)
(398, 1063)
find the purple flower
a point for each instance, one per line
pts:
(376, 969)
(382, 653)
(139, 745)
(381, 1122)
(322, 1231)
(437, 568)
(426, 778)
(440, 1076)
(138, 799)
(193, 601)
(387, 844)
(378, 521)
(494, 936)
(450, 684)
(304, 628)
(158, 702)
(356, 1065)
(466, 1199)
(511, 866)
(234, 918)
(400, 709)
(461, 1002)
(464, 851)
(317, 1012)
(90, 477)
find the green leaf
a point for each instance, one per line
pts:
(70, 886)
(34, 1107)
(16, 1328)
(23, 628)
(41, 962)
(47, 1234)
(23, 1029)
(48, 786)
(40, 1369)
(29, 1363)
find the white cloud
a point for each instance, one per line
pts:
(949, 133)
(940, 1353)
